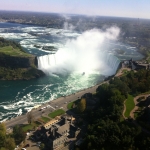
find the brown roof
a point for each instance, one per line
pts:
(51, 122)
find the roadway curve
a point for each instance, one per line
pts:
(57, 103)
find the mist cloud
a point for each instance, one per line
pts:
(83, 54)
(68, 26)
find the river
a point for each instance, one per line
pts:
(66, 75)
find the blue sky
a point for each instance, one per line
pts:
(124, 8)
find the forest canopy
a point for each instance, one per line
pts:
(106, 127)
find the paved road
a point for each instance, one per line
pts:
(55, 104)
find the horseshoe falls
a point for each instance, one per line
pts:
(92, 52)
(48, 63)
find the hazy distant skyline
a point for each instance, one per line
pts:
(119, 8)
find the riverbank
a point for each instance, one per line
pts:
(60, 102)
(55, 104)
(15, 63)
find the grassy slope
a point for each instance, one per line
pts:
(56, 113)
(45, 119)
(129, 105)
(9, 50)
(27, 127)
(7, 73)
(69, 106)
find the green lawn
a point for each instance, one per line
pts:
(9, 50)
(56, 113)
(69, 106)
(129, 105)
(37, 123)
(45, 119)
(27, 127)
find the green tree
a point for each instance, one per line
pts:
(102, 92)
(18, 134)
(42, 146)
(10, 143)
(2, 134)
(30, 117)
(82, 105)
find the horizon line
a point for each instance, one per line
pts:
(73, 14)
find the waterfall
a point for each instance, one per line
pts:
(46, 61)
(112, 61)
(51, 62)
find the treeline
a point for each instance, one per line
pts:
(130, 27)
(4, 42)
(137, 82)
(33, 18)
(107, 129)
(20, 73)
(8, 141)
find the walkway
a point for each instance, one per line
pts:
(136, 102)
(124, 110)
(134, 109)
(121, 71)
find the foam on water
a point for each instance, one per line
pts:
(81, 54)
(27, 94)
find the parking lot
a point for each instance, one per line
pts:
(32, 145)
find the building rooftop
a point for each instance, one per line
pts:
(64, 129)
(50, 123)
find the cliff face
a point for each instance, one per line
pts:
(16, 62)
(18, 68)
